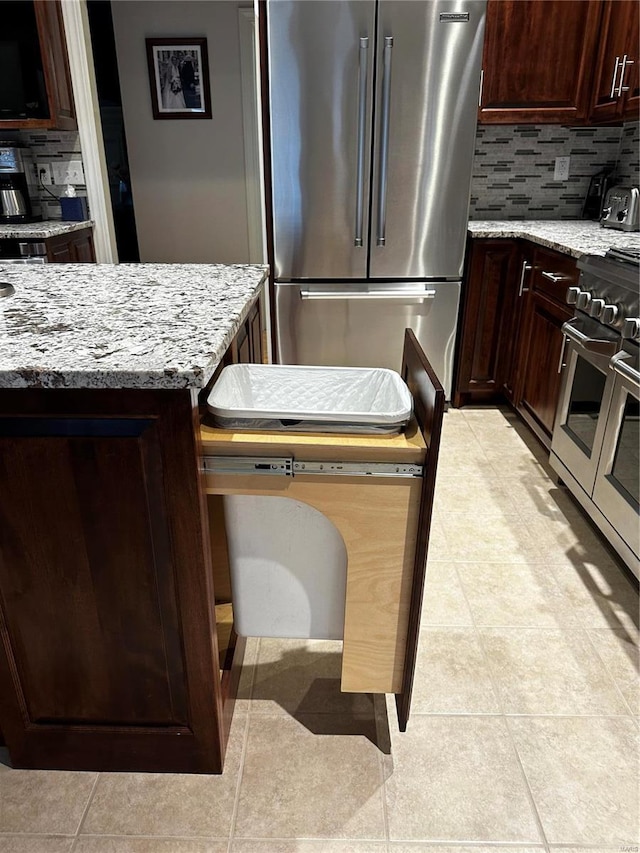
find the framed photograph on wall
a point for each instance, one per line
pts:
(179, 77)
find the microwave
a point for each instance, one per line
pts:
(23, 93)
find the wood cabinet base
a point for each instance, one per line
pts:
(108, 647)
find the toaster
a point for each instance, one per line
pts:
(621, 209)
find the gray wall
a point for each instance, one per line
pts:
(187, 176)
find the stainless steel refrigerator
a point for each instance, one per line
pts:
(373, 107)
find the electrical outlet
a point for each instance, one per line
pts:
(561, 171)
(44, 173)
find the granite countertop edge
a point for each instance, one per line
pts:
(571, 237)
(41, 230)
(202, 330)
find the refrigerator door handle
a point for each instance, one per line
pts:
(362, 119)
(384, 141)
(403, 295)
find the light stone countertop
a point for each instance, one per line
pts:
(573, 237)
(121, 326)
(41, 230)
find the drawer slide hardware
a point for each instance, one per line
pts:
(288, 467)
(281, 466)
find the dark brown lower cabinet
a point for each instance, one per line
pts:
(108, 652)
(484, 335)
(538, 360)
(73, 248)
(513, 310)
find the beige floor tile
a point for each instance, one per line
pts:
(477, 495)
(452, 676)
(34, 844)
(457, 779)
(600, 597)
(319, 846)
(621, 658)
(316, 776)
(539, 671)
(303, 676)
(39, 801)
(168, 804)
(248, 668)
(444, 602)
(459, 459)
(514, 594)
(438, 548)
(473, 539)
(106, 844)
(583, 774)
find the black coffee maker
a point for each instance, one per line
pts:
(19, 200)
(598, 186)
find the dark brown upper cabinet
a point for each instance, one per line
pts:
(40, 96)
(538, 61)
(615, 90)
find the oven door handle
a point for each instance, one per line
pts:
(619, 364)
(597, 345)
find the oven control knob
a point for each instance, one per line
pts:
(596, 307)
(572, 295)
(609, 314)
(631, 328)
(583, 300)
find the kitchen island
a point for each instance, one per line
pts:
(108, 656)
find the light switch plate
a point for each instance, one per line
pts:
(561, 171)
(70, 172)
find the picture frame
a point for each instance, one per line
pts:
(179, 77)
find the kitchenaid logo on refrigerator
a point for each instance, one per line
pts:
(448, 17)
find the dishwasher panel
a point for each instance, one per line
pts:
(363, 325)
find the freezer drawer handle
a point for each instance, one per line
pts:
(384, 141)
(362, 107)
(374, 294)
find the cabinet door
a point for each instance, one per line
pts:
(631, 106)
(538, 60)
(53, 47)
(82, 249)
(618, 39)
(512, 324)
(107, 649)
(488, 303)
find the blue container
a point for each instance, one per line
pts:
(74, 208)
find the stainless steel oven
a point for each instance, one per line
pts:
(616, 490)
(594, 447)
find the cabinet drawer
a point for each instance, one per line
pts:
(553, 273)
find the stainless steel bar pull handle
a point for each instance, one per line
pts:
(384, 141)
(362, 119)
(612, 94)
(525, 269)
(620, 366)
(555, 277)
(402, 295)
(623, 69)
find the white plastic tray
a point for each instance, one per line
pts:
(310, 399)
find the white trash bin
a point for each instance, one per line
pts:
(288, 562)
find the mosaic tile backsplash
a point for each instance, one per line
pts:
(51, 146)
(514, 165)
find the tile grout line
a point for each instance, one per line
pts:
(498, 693)
(85, 812)
(243, 753)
